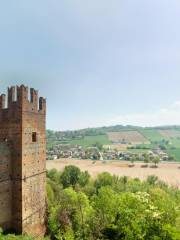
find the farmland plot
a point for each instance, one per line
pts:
(132, 137)
(169, 133)
(151, 134)
(167, 172)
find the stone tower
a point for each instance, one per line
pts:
(23, 161)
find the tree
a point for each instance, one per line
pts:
(70, 218)
(103, 179)
(152, 180)
(105, 207)
(156, 161)
(146, 160)
(99, 146)
(171, 158)
(70, 176)
(50, 193)
(132, 161)
(162, 147)
(113, 208)
(54, 175)
(84, 179)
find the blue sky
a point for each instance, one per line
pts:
(97, 62)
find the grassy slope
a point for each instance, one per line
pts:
(175, 143)
(151, 134)
(154, 136)
(175, 153)
(88, 141)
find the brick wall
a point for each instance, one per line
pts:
(22, 128)
(5, 185)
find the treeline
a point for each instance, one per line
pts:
(56, 135)
(75, 134)
(110, 207)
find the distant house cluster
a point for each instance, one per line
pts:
(78, 152)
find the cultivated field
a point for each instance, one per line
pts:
(151, 134)
(167, 172)
(119, 146)
(133, 137)
(169, 133)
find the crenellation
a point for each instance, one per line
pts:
(11, 95)
(42, 104)
(18, 100)
(22, 94)
(34, 99)
(2, 101)
(34, 95)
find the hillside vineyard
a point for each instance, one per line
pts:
(22, 161)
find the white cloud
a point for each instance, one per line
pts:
(165, 116)
(177, 105)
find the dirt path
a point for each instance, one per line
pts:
(168, 172)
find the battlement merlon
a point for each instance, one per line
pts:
(22, 94)
(11, 95)
(34, 98)
(42, 105)
(19, 96)
(2, 101)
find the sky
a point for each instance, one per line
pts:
(97, 62)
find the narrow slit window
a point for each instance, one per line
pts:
(34, 137)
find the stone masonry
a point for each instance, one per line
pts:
(23, 161)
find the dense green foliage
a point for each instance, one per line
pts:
(14, 237)
(110, 207)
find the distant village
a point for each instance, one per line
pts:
(105, 153)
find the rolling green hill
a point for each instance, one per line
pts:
(151, 134)
(166, 138)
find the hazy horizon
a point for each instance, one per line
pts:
(97, 63)
(77, 129)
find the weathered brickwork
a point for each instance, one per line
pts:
(23, 161)
(5, 185)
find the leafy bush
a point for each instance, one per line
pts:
(110, 207)
(70, 176)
